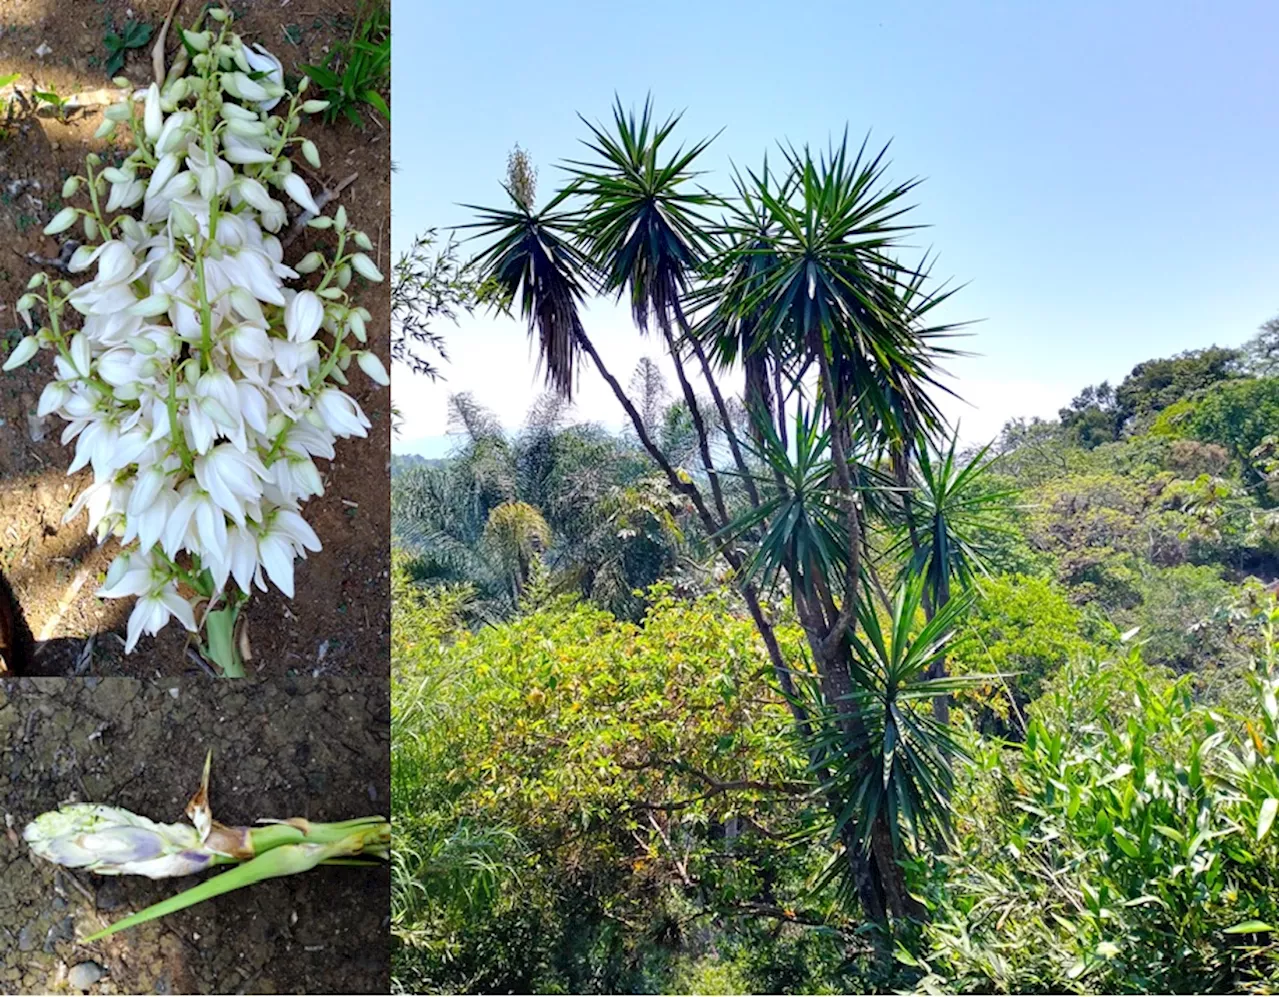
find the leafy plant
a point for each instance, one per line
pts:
(135, 34)
(54, 100)
(358, 70)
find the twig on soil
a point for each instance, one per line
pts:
(64, 604)
(323, 198)
(157, 50)
(61, 264)
(85, 659)
(76, 102)
(194, 655)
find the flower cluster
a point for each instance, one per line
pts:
(199, 388)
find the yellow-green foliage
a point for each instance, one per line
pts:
(624, 761)
(1023, 625)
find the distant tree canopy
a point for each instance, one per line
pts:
(1261, 354)
(1102, 414)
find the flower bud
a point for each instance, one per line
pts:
(344, 276)
(150, 306)
(315, 106)
(106, 128)
(182, 221)
(310, 263)
(310, 153)
(169, 264)
(215, 411)
(340, 218)
(362, 241)
(153, 117)
(142, 344)
(35, 281)
(70, 186)
(198, 40)
(23, 352)
(246, 129)
(365, 267)
(91, 228)
(371, 365)
(355, 322)
(62, 221)
(234, 112)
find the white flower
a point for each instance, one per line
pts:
(231, 478)
(288, 536)
(262, 61)
(340, 413)
(187, 368)
(303, 315)
(196, 523)
(300, 193)
(152, 611)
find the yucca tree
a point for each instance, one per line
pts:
(798, 280)
(625, 223)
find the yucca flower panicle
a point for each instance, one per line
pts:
(199, 373)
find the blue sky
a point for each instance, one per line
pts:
(1103, 176)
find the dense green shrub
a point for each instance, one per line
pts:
(1127, 846)
(1025, 628)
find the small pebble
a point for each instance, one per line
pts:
(85, 974)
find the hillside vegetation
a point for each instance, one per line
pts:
(789, 692)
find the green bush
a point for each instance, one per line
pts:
(1125, 847)
(1023, 625)
(573, 792)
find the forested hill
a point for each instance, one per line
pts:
(601, 788)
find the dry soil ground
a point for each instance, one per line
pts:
(338, 623)
(314, 748)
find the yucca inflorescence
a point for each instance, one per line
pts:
(199, 388)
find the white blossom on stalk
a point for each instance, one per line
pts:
(196, 384)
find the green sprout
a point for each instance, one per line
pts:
(111, 841)
(357, 70)
(52, 99)
(132, 35)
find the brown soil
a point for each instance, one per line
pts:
(338, 622)
(314, 748)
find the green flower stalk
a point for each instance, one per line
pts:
(111, 841)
